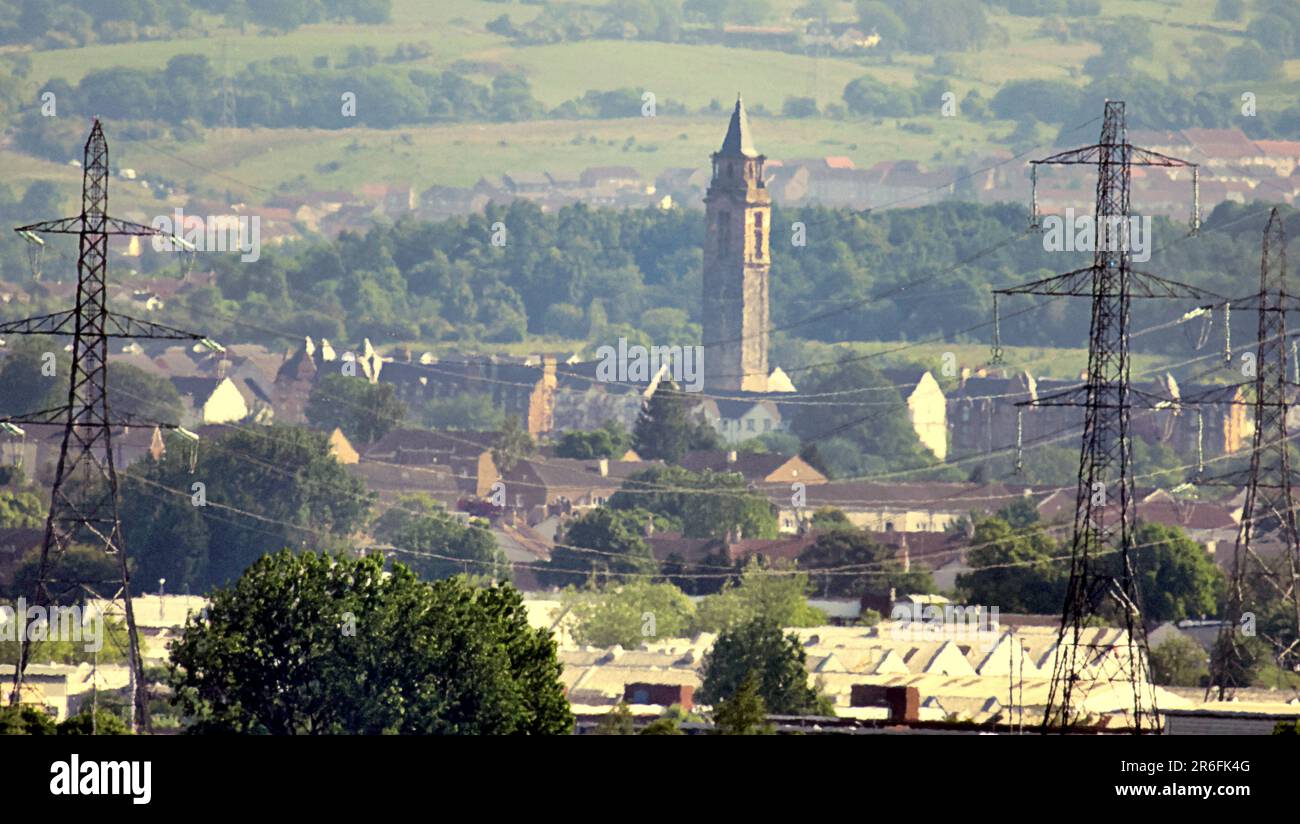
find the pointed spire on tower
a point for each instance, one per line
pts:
(739, 140)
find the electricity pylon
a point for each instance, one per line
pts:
(84, 498)
(1263, 600)
(1105, 505)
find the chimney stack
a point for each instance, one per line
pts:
(604, 467)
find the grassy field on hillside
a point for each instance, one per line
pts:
(462, 153)
(459, 154)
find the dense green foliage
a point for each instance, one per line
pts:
(1025, 570)
(364, 411)
(206, 511)
(601, 546)
(1016, 570)
(776, 593)
(1179, 662)
(628, 615)
(307, 643)
(860, 277)
(432, 543)
(666, 430)
(876, 569)
(611, 440)
(744, 712)
(701, 505)
(759, 648)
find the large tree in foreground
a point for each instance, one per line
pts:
(307, 643)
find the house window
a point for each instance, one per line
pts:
(767, 425)
(889, 526)
(749, 424)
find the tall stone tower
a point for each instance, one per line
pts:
(737, 257)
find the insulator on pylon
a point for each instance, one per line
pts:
(1200, 442)
(1196, 200)
(1227, 334)
(1020, 432)
(995, 358)
(1033, 196)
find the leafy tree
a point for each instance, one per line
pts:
(881, 435)
(109, 636)
(775, 594)
(670, 723)
(136, 394)
(365, 411)
(512, 443)
(876, 16)
(1176, 576)
(617, 721)
(759, 649)
(1019, 514)
(259, 491)
(1241, 659)
(1179, 662)
(743, 713)
(878, 570)
(78, 563)
(665, 429)
(22, 510)
(435, 545)
(868, 96)
(1014, 569)
(705, 505)
(469, 411)
(307, 643)
(33, 376)
(828, 518)
(662, 726)
(600, 546)
(610, 441)
(629, 614)
(25, 719)
(104, 722)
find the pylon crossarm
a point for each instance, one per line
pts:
(57, 323)
(1146, 285)
(1139, 156)
(58, 226)
(1089, 155)
(1268, 303)
(1075, 396)
(1227, 394)
(1077, 283)
(117, 226)
(58, 416)
(124, 326)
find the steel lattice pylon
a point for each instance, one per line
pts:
(84, 498)
(1262, 597)
(1105, 506)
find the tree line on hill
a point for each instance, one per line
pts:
(597, 275)
(55, 24)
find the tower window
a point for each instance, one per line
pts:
(724, 231)
(758, 235)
